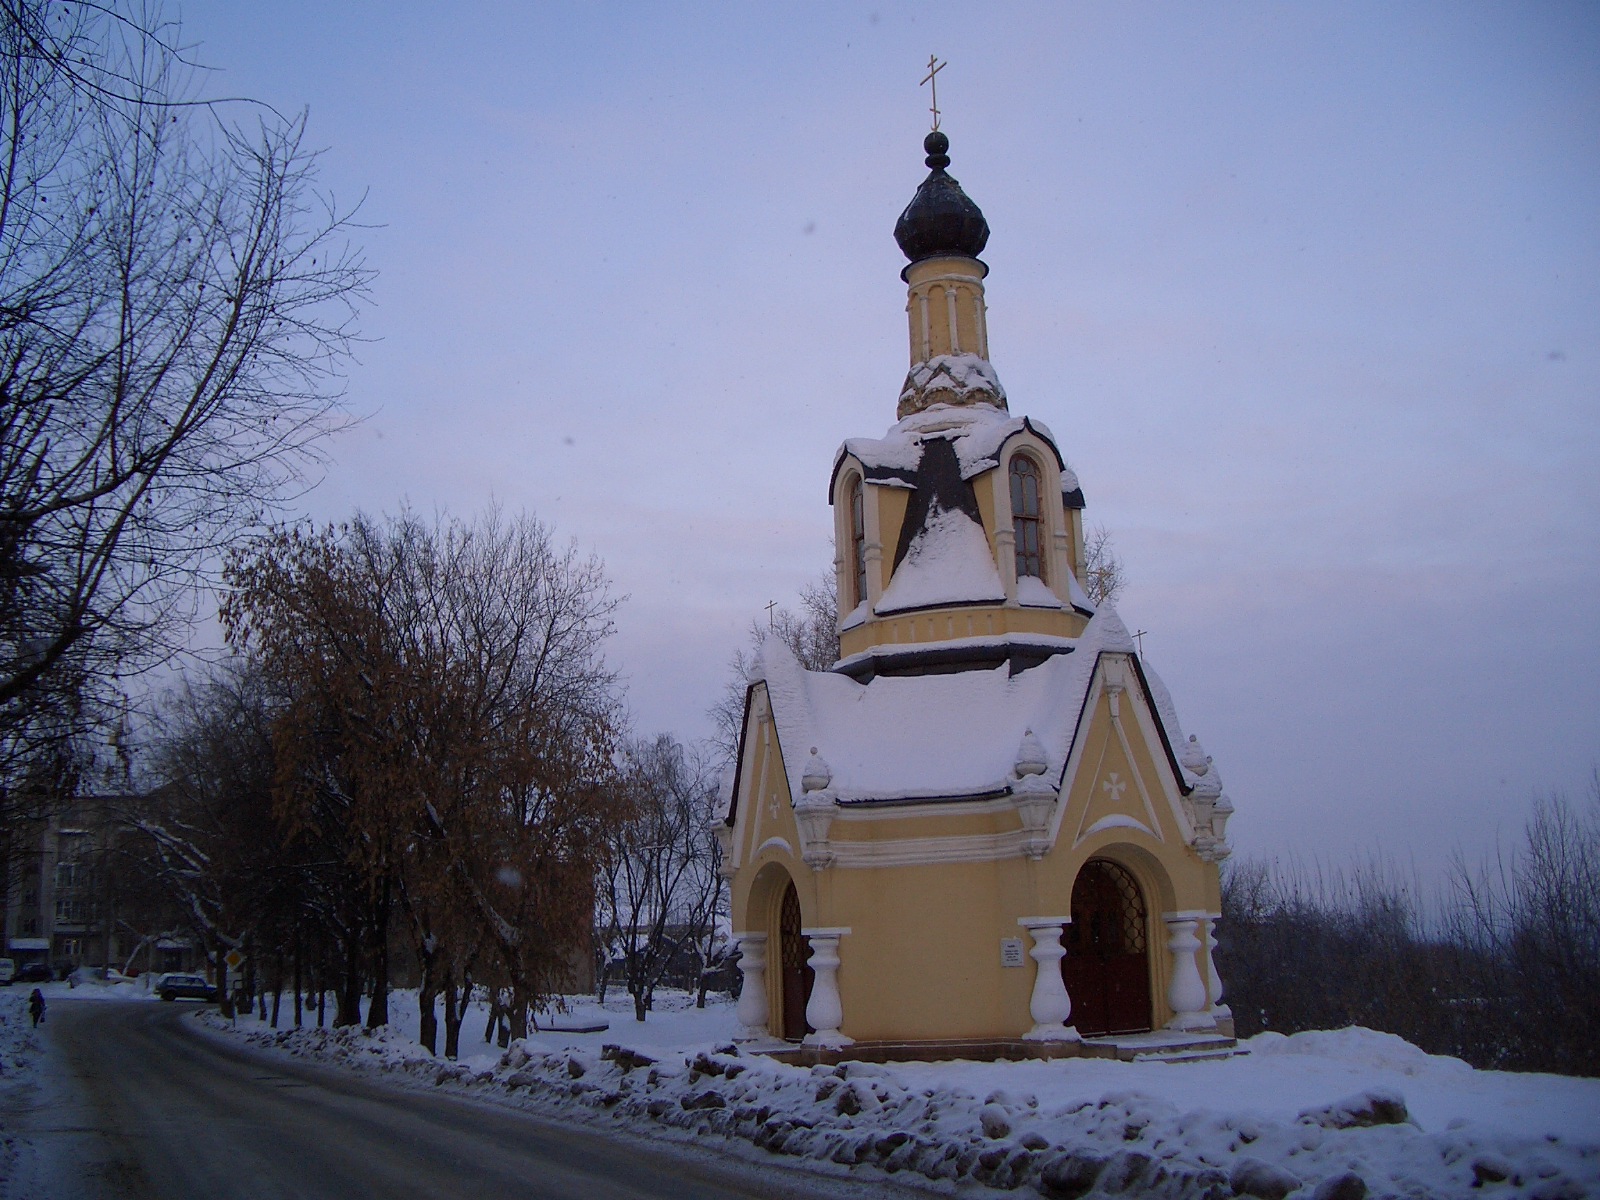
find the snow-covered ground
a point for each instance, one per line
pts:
(1331, 1116)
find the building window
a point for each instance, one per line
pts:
(1027, 517)
(70, 910)
(858, 539)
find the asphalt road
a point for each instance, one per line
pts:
(142, 1105)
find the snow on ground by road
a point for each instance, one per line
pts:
(1330, 1116)
(19, 1062)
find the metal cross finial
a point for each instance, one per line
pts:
(772, 622)
(934, 67)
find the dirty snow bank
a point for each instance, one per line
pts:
(19, 1066)
(1316, 1116)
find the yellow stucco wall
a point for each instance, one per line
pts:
(922, 960)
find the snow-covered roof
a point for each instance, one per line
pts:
(948, 562)
(976, 432)
(939, 736)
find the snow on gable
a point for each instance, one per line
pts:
(1191, 758)
(948, 562)
(931, 736)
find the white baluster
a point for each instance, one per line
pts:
(1049, 1006)
(1187, 995)
(752, 1010)
(825, 1011)
(1213, 979)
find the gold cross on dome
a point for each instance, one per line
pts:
(934, 67)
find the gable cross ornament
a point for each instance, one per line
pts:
(934, 67)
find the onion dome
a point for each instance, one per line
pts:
(940, 219)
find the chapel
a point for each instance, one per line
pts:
(983, 831)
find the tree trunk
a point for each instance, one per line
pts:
(297, 980)
(378, 1012)
(348, 1010)
(495, 1014)
(705, 983)
(519, 1018)
(453, 1012)
(277, 1000)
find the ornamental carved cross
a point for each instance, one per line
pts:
(934, 67)
(1114, 786)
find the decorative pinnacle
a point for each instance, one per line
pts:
(937, 147)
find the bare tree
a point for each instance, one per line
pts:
(212, 841)
(176, 302)
(1103, 574)
(1529, 923)
(659, 883)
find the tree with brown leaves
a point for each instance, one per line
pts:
(448, 705)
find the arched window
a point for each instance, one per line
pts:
(858, 540)
(1027, 516)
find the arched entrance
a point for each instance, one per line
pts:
(1106, 967)
(794, 972)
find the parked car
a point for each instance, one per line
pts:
(185, 987)
(8, 971)
(35, 973)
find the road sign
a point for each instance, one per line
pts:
(233, 958)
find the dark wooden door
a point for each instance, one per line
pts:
(796, 971)
(1106, 968)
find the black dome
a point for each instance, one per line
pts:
(940, 219)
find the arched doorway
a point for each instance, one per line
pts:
(1106, 967)
(794, 972)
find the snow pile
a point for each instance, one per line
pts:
(19, 1063)
(1033, 592)
(948, 562)
(1266, 1125)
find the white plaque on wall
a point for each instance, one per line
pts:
(1011, 952)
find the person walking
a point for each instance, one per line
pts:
(36, 1006)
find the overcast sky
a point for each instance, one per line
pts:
(1308, 295)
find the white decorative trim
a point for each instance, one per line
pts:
(851, 814)
(1118, 821)
(774, 843)
(950, 277)
(908, 852)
